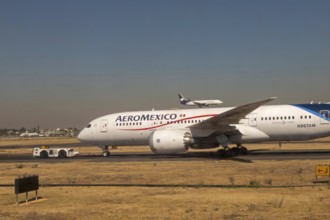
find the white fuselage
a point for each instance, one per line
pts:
(30, 135)
(266, 123)
(202, 102)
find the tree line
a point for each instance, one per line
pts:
(13, 131)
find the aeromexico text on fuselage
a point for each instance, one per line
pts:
(146, 117)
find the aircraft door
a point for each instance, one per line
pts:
(324, 116)
(252, 120)
(104, 125)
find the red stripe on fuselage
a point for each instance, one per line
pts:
(157, 126)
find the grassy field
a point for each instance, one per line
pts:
(170, 203)
(272, 189)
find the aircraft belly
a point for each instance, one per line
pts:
(130, 137)
(248, 134)
(295, 131)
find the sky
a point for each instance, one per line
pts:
(66, 62)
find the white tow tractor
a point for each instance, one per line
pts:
(45, 152)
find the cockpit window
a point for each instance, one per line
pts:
(88, 126)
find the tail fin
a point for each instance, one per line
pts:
(182, 99)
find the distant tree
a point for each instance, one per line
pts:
(6, 132)
(22, 130)
(3, 132)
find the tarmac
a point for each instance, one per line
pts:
(189, 156)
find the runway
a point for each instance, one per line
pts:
(190, 156)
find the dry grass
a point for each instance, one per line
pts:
(168, 203)
(266, 173)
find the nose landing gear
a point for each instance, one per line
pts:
(105, 151)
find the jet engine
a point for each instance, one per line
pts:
(170, 141)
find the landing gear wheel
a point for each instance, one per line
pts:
(105, 151)
(106, 154)
(230, 152)
(243, 151)
(221, 153)
(235, 151)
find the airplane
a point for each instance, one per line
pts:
(33, 134)
(176, 131)
(199, 103)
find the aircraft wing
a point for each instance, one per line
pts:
(233, 116)
(200, 104)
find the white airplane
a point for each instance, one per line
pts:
(175, 131)
(199, 103)
(33, 134)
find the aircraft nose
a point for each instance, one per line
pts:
(81, 135)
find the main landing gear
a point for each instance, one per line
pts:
(105, 151)
(234, 151)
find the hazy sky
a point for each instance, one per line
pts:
(63, 63)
